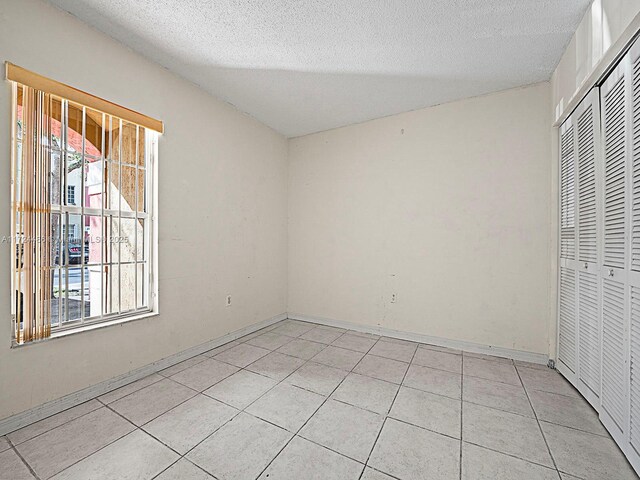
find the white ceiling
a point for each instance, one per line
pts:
(306, 66)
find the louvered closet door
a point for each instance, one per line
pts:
(567, 308)
(586, 125)
(616, 250)
(633, 152)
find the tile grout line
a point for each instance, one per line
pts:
(99, 449)
(180, 456)
(484, 447)
(539, 426)
(57, 426)
(316, 411)
(177, 405)
(283, 380)
(243, 410)
(165, 377)
(105, 405)
(386, 416)
(22, 459)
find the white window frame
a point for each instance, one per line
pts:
(150, 241)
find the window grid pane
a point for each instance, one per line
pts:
(98, 195)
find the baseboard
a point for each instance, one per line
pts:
(58, 405)
(420, 338)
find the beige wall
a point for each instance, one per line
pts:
(603, 23)
(449, 207)
(222, 211)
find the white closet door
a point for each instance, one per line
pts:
(567, 331)
(633, 149)
(606, 368)
(616, 250)
(586, 123)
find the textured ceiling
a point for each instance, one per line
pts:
(306, 66)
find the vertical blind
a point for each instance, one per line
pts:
(42, 115)
(32, 214)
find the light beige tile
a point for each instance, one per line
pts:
(482, 464)
(303, 459)
(321, 335)
(338, 357)
(433, 412)
(273, 326)
(136, 456)
(398, 341)
(511, 398)
(413, 453)
(333, 329)
(304, 349)
(222, 348)
(487, 369)
(491, 358)
(355, 342)
(57, 449)
(363, 334)
(537, 366)
(186, 425)
(242, 355)
(439, 360)
(366, 392)
(276, 365)
(371, 474)
(585, 455)
(438, 348)
(505, 432)
(178, 367)
(348, 430)
(293, 329)
(12, 467)
(382, 368)
(184, 470)
(144, 405)
(270, 341)
(434, 381)
(204, 374)
(394, 350)
(4, 444)
(241, 449)
(125, 390)
(286, 406)
(241, 389)
(318, 378)
(53, 421)
(568, 411)
(547, 381)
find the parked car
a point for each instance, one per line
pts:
(72, 254)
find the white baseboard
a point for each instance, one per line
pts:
(52, 407)
(420, 338)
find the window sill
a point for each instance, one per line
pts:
(86, 328)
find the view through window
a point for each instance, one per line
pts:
(92, 177)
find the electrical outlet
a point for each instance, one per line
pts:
(394, 297)
(228, 301)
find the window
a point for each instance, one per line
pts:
(71, 195)
(82, 190)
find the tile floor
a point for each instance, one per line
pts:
(303, 401)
